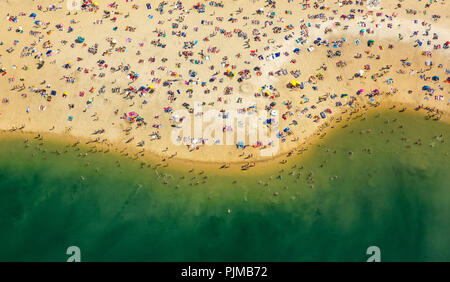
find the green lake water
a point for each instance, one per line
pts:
(394, 195)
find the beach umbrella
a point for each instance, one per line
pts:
(435, 78)
(33, 15)
(426, 87)
(294, 83)
(370, 42)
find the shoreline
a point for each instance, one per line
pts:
(268, 165)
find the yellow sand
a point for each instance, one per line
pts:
(101, 113)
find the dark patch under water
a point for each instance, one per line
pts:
(394, 195)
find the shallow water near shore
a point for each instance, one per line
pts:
(325, 205)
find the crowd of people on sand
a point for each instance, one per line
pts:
(305, 62)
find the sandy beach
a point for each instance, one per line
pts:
(145, 77)
(224, 131)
